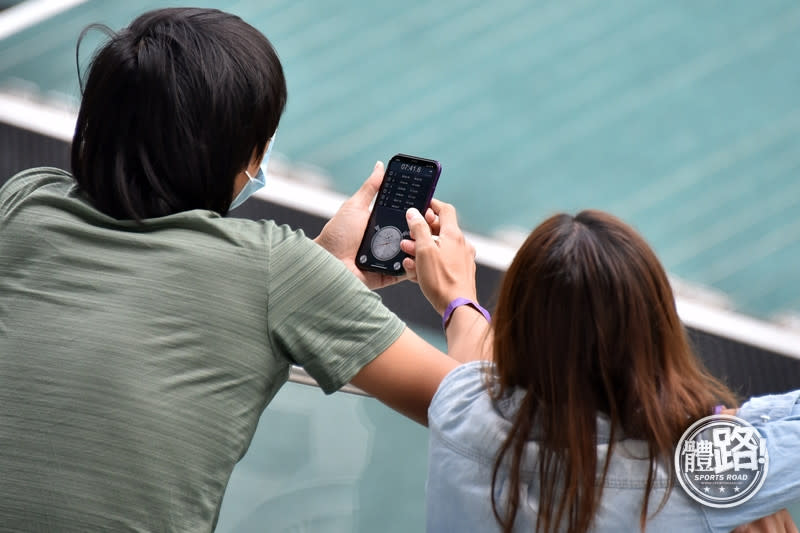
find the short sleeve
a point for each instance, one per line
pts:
(460, 388)
(462, 415)
(462, 443)
(319, 315)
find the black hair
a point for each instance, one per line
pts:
(174, 107)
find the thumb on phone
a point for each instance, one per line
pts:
(364, 195)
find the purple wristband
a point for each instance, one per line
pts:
(458, 302)
(718, 409)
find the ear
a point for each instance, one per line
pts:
(258, 156)
(255, 162)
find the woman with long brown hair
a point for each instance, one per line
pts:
(592, 381)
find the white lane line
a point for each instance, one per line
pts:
(701, 238)
(31, 46)
(60, 124)
(702, 210)
(640, 96)
(438, 98)
(697, 170)
(778, 238)
(26, 14)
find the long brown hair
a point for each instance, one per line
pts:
(586, 323)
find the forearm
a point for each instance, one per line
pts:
(469, 336)
(445, 270)
(406, 375)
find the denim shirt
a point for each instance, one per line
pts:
(466, 429)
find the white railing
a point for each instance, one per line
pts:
(298, 375)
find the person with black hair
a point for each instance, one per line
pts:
(142, 332)
(175, 106)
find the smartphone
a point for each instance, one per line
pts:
(408, 182)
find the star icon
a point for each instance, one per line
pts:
(707, 489)
(736, 489)
(722, 489)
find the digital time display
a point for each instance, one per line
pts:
(406, 184)
(411, 168)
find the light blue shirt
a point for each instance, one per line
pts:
(466, 429)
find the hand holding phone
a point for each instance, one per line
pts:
(408, 182)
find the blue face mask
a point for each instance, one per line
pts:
(254, 183)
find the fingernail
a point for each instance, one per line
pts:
(378, 163)
(413, 213)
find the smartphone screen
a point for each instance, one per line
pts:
(408, 182)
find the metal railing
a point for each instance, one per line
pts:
(298, 375)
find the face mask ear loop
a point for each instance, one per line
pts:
(249, 177)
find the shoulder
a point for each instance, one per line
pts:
(771, 407)
(265, 232)
(24, 183)
(293, 255)
(462, 415)
(287, 239)
(266, 240)
(463, 438)
(40, 175)
(461, 387)
(301, 272)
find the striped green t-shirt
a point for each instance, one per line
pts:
(136, 358)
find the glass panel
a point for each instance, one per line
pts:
(341, 463)
(795, 511)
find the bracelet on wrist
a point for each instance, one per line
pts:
(458, 302)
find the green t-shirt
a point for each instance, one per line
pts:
(136, 359)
